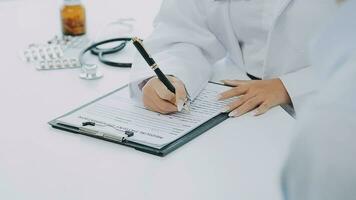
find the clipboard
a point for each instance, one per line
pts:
(170, 147)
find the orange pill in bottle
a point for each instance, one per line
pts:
(73, 18)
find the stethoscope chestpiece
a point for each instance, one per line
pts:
(90, 72)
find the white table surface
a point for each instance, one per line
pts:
(239, 159)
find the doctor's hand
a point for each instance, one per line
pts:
(156, 96)
(255, 94)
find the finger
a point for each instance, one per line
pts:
(163, 106)
(236, 91)
(238, 102)
(235, 82)
(155, 103)
(147, 102)
(263, 108)
(246, 107)
(150, 105)
(163, 92)
(154, 108)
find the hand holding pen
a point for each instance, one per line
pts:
(163, 94)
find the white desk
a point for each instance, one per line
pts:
(239, 159)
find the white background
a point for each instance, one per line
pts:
(239, 159)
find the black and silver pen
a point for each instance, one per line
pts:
(138, 44)
(163, 78)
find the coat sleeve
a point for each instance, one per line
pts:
(321, 164)
(182, 45)
(299, 85)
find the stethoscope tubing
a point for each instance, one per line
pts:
(100, 52)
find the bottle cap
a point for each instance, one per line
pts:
(72, 2)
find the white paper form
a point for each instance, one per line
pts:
(118, 112)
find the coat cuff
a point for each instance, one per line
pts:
(299, 85)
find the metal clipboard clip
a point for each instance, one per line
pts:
(88, 128)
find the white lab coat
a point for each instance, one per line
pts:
(321, 164)
(191, 35)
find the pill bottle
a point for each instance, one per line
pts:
(73, 18)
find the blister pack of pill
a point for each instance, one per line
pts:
(57, 53)
(60, 63)
(70, 42)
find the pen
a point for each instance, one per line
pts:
(138, 44)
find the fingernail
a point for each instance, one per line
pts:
(225, 109)
(219, 97)
(180, 105)
(233, 114)
(256, 112)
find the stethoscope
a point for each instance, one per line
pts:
(90, 71)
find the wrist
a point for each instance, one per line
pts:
(285, 95)
(144, 82)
